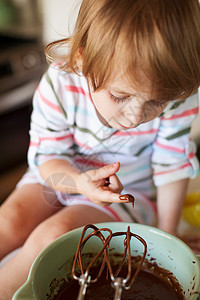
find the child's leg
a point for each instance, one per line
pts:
(21, 213)
(15, 272)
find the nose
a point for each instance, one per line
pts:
(135, 117)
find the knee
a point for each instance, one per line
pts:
(44, 234)
(13, 220)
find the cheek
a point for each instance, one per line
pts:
(104, 105)
(152, 111)
(97, 100)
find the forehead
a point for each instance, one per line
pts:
(121, 83)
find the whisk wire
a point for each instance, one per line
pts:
(119, 283)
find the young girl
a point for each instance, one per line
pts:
(111, 116)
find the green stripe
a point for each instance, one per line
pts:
(136, 154)
(54, 130)
(178, 134)
(141, 150)
(162, 165)
(143, 179)
(59, 103)
(92, 133)
(177, 104)
(82, 129)
(65, 114)
(53, 153)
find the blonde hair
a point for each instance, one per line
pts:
(160, 38)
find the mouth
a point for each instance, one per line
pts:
(126, 126)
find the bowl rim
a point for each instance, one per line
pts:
(106, 224)
(30, 278)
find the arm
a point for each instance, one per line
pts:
(170, 202)
(170, 199)
(173, 160)
(92, 184)
(51, 150)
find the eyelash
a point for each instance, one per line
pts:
(117, 99)
(121, 100)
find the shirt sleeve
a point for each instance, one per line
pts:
(51, 135)
(173, 155)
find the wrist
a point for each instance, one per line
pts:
(81, 180)
(63, 176)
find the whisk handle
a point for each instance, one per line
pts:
(82, 292)
(118, 285)
(84, 282)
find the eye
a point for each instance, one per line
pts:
(119, 99)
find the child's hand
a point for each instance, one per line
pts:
(101, 186)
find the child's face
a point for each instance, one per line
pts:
(121, 107)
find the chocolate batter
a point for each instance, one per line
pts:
(128, 197)
(146, 281)
(146, 286)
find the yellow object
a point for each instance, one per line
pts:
(191, 209)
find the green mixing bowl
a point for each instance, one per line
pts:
(55, 261)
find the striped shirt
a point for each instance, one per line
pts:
(65, 125)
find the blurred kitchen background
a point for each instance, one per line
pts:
(26, 26)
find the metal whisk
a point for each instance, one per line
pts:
(85, 278)
(119, 283)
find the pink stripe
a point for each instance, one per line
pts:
(186, 113)
(115, 215)
(33, 144)
(191, 155)
(57, 64)
(87, 162)
(108, 208)
(170, 148)
(76, 89)
(46, 101)
(81, 144)
(56, 138)
(182, 167)
(122, 133)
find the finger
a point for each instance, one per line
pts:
(115, 184)
(104, 172)
(103, 204)
(106, 195)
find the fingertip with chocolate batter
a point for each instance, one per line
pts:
(128, 198)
